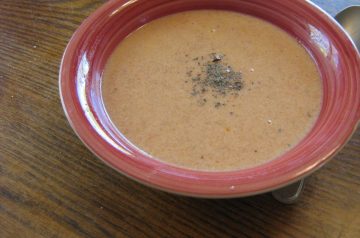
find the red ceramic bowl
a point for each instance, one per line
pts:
(332, 50)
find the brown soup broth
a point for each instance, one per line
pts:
(212, 90)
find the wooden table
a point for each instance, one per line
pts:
(52, 186)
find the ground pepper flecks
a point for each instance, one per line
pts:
(213, 75)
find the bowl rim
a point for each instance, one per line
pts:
(151, 178)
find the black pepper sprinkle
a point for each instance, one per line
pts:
(216, 57)
(217, 105)
(215, 76)
(196, 78)
(194, 92)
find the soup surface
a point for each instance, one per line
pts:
(212, 90)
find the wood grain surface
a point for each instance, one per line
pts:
(52, 186)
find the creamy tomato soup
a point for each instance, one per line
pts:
(212, 90)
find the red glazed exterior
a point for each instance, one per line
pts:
(336, 56)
